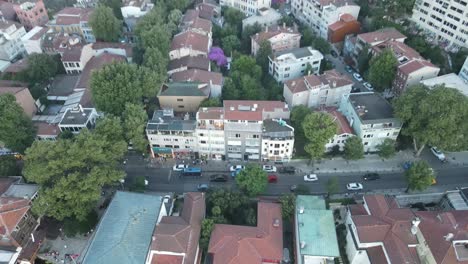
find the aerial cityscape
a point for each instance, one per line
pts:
(234, 131)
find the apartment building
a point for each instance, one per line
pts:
(11, 45)
(316, 91)
(345, 26)
(77, 118)
(464, 71)
(450, 80)
(248, 7)
(214, 80)
(133, 10)
(281, 38)
(319, 14)
(444, 21)
(343, 132)
(189, 43)
(266, 17)
(23, 98)
(73, 20)
(290, 64)
(75, 59)
(31, 13)
(244, 124)
(277, 140)
(171, 136)
(210, 133)
(33, 40)
(191, 21)
(183, 96)
(371, 118)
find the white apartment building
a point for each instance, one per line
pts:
(287, 65)
(371, 118)
(32, 40)
(266, 17)
(77, 118)
(343, 133)
(10, 39)
(319, 14)
(133, 10)
(277, 140)
(443, 20)
(75, 59)
(171, 136)
(248, 7)
(210, 133)
(464, 71)
(281, 38)
(450, 80)
(316, 91)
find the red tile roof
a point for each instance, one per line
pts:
(167, 259)
(11, 212)
(381, 35)
(72, 54)
(215, 78)
(201, 63)
(273, 31)
(415, 65)
(96, 63)
(18, 66)
(188, 39)
(237, 110)
(73, 15)
(210, 113)
(44, 128)
(114, 45)
(376, 255)
(244, 244)
(340, 120)
(335, 79)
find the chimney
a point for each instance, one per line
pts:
(303, 244)
(415, 223)
(301, 210)
(448, 237)
(276, 223)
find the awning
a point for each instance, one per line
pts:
(162, 150)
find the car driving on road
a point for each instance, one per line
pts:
(203, 187)
(371, 177)
(354, 186)
(218, 178)
(236, 167)
(438, 154)
(179, 167)
(269, 168)
(287, 169)
(310, 177)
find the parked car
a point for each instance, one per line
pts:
(368, 86)
(438, 154)
(179, 167)
(203, 187)
(349, 69)
(287, 169)
(234, 173)
(269, 168)
(371, 177)
(236, 167)
(218, 178)
(354, 186)
(358, 77)
(272, 178)
(310, 177)
(355, 90)
(334, 54)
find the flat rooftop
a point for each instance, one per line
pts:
(300, 52)
(371, 106)
(74, 116)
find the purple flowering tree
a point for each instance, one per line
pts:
(217, 54)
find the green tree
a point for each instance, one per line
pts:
(8, 166)
(234, 17)
(16, 129)
(419, 176)
(332, 186)
(230, 91)
(435, 116)
(252, 180)
(382, 70)
(386, 148)
(298, 114)
(230, 43)
(207, 227)
(288, 205)
(139, 185)
(211, 102)
(71, 173)
(134, 123)
(115, 5)
(177, 4)
(41, 67)
(110, 128)
(158, 37)
(286, 20)
(246, 65)
(321, 45)
(318, 129)
(458, 59)
(247, 32)
(353, 149)
(227, 201)
(363, 59)
(105, 25)
(67, 134)
(155, 60)
(174, 18)
(325, 65)
(114, 85)
(263, 54)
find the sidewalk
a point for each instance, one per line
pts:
(370, 163)
(457, 158)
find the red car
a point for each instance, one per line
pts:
(272, 178)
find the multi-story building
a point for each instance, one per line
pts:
(75, 59)
(248, 7)
(171, 136)
(214, 80)
(444, 21)
(464, 71)
(183, 96)
(244, 123)
(371, 118)
(345, 26)
(210, 132)
(31, 13)
(11, 45)
(33, 40)
(73, 20)
(187, 63)
(319, 14)
(277, 140)
(86, 3)
(450, 80)
(133, 10)
(75, 119)
(290, 64)
(191, 21)
(343, 132)
(266, 17)
(317, 91)
(281, 38)
(189, 43)
(23, 98)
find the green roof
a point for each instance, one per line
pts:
(316, 227)
(181, 89)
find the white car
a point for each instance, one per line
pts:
(179, 167)
(354, 186)
(368, 86)
(357, 76)
(438, 154)
(236, 168)
(310, 177)
(269, 168)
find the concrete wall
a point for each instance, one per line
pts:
(188, 103)
(406, 200)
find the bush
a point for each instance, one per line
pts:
(72, 227)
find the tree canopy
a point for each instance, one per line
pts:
(288, 205)
(71, 173)
(8, 166)
(16, 129)
(252, 180)
(387, 148)
(318, 129)
(105, 25)
(230, 43)
(41, 67)
(435, 116)
(332, 186)
(298, 114)
(134, 124)
(115, 5)
(211, 102)
(382, 70)
(244, 81)
(419, 176)
(263, 54)
(353, 149)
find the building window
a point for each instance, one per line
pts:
(237, 135)
(180, 100)
(180, 106)
(366, 143)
